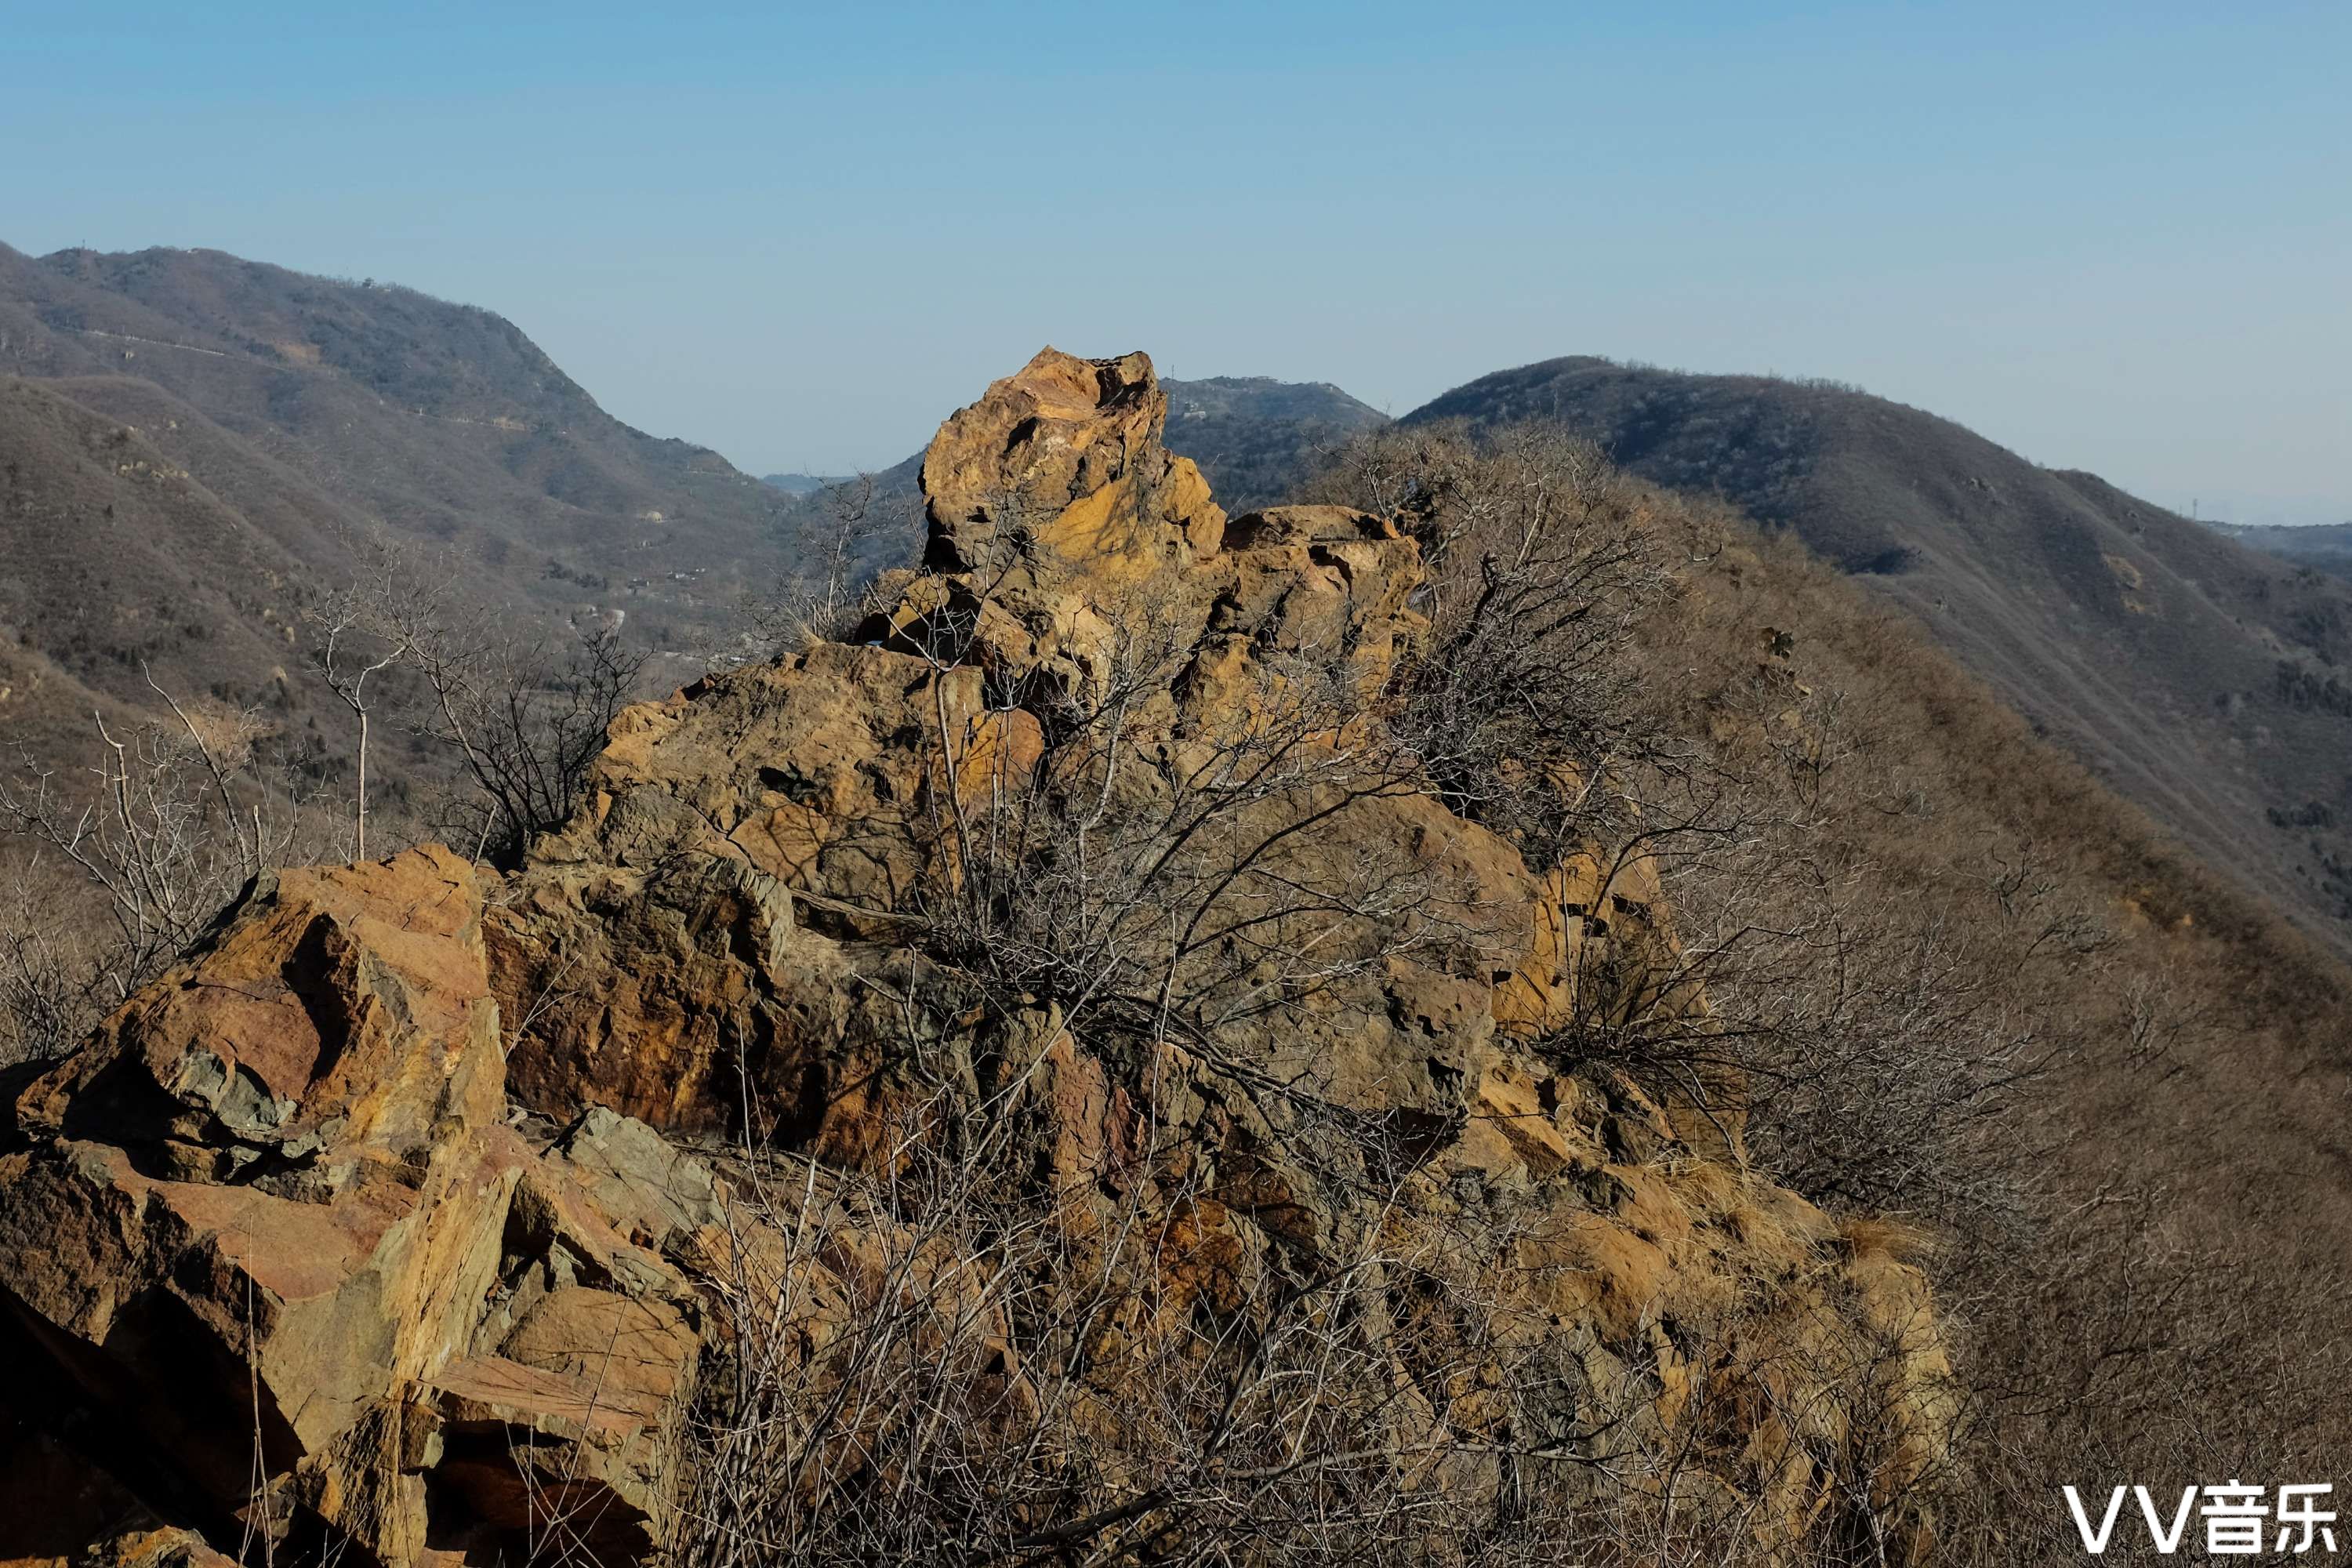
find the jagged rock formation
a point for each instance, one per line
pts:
(275, 1221)
(376, 1222)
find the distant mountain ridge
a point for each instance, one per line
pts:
(1252, 436)
(193, 442)
(800, 484)
(2199, 677)
(444, 421)
(196, 444)
(2326, 545)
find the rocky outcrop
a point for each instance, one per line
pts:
(274, 1241)
(375, 1221)
(1067, 455)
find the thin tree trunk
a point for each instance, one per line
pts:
(360, 824)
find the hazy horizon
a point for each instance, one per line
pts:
(2112, 240)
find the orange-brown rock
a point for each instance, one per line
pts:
(710, 944)
(259, 1220)
(1065, 458)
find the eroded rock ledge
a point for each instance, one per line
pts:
(395, 1215)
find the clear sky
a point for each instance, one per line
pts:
(2114, 236)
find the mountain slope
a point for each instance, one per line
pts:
(197, 448)
(443, 421)
(2195, 675)
(118, 557)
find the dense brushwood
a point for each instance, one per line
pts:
(1967, 984)
(1136, 1111)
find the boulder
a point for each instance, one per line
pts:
(252, 1227)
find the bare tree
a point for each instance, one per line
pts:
(826, 589)
(526, 719)
(356, 643)
(528, 723)
(177, 818)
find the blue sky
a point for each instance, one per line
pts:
(2111, 236)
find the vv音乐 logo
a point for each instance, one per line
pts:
(2237, 1519)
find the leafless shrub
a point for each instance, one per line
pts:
(1188, 884)
(1882, 994)
(827, 591)
(1155, 874)
(1951, 980)
(1864, 1044)
(528, 722)
(942, 1357)
(171, 821)
(526, 715)
(1538, 564)
(989, 1375)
